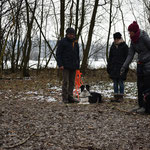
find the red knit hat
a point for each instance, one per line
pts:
(133, 27)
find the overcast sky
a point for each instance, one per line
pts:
(132, 10)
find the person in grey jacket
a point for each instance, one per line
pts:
(140, 44)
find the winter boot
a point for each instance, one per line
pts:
(120, 97)
(116, 98)
(72, 100)
(65, 101)
(141, 110)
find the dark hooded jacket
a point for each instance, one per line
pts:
(142, 47)
(67, 54)
(117, 56)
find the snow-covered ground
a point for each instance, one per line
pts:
(94, 64)
(100, 63)
(105, 88)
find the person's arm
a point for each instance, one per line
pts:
(130, 56)
(110, 56)
(109, 60)
(128, 60)
(126, 50)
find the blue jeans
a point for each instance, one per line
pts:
(118, 83)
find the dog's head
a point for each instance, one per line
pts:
(85, 91)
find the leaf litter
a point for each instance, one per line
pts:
(32, 117)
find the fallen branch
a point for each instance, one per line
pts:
(22, 142)
(122, 110)
(125, 111)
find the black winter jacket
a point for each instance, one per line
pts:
(117, 57)
(67, 54)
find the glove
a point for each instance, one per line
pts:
(122, 70)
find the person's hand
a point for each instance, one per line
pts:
(122, 70)
(61, 68)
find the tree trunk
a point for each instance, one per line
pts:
(108, 37)
(62, 18)
(18, 51)
(82, 19)
(77, 16)
(71, 14)
(27, 49)
(1, 38)
(87, 49)
(39, 56)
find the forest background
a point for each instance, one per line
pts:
(30, 30)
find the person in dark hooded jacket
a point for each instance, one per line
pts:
(67, 56)
(117, 56)
(140, 44)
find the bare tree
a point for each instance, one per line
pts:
(77, 16)
(71, 14)
(87, 48)
(6, 16)
(28, 41)
(109, 30)
(16, 8)
(3, 30)
(82, 20)
(147, 5)
(62, 18)
(122, 17)
(40, 40)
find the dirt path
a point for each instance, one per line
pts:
(26, 123)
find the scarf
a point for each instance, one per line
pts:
(135, 38)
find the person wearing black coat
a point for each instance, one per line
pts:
(67, 56)
(117, 56)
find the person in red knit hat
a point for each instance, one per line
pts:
(140, 44)
(134, 31)
(133, 27)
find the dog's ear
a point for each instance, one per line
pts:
(87, 87)
(82, 87)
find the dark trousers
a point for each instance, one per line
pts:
(118, 83)
(68, 83)
(143, 83)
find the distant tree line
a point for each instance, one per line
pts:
(25, 21)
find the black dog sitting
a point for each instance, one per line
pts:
(146, 95)
(89, 97)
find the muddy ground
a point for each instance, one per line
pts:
(32, 124)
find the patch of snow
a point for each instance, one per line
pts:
(51, 99)
(106, 89)
(55, 88)
(31, 92)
